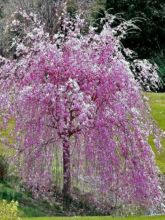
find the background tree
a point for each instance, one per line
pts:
(150, 17)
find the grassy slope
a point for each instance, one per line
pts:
(157, 103)
(28, 207)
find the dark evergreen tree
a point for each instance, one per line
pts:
(150, 16)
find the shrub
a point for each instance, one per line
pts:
(9, 211)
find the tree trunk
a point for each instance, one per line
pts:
(66, 171)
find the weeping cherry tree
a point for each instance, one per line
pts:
(75, 94)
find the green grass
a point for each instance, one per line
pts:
(157, 103)
(99, 218)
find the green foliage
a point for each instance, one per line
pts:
(3, 167)
(160, 60)
(9, 211)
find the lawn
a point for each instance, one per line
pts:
(157, 103)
